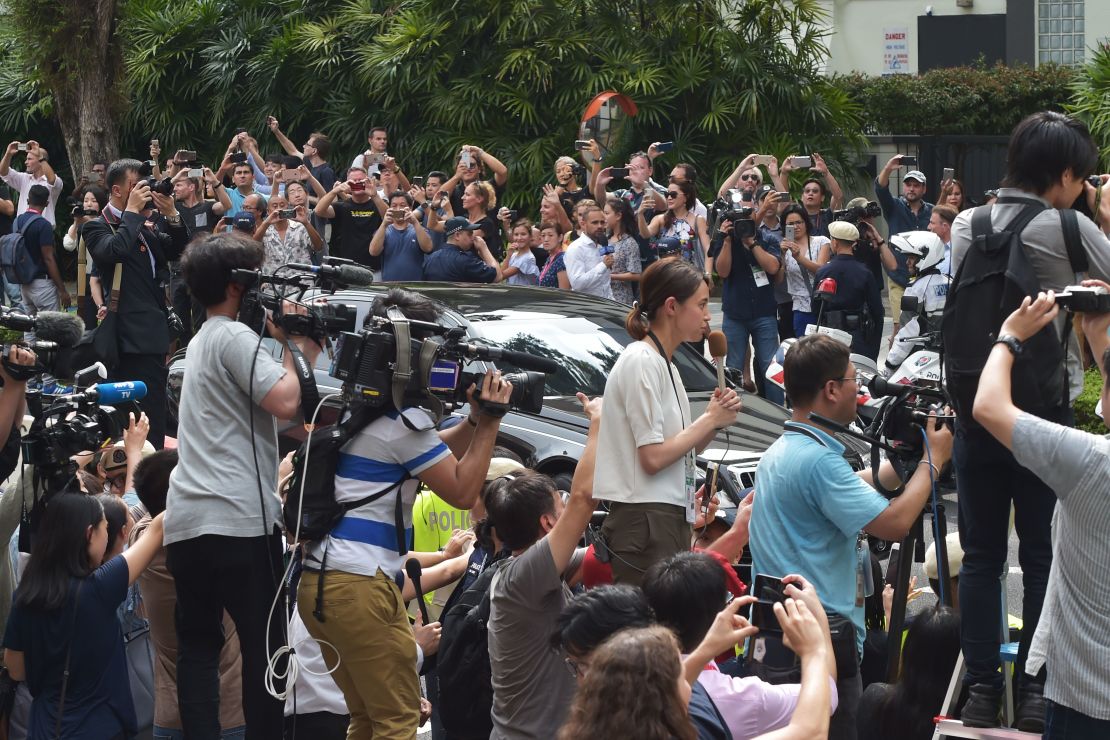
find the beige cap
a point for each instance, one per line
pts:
(843, 231)
(500, 466)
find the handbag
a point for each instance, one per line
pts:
(140, 660)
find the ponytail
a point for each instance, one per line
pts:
(662, 280)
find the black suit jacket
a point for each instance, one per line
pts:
(115, 241)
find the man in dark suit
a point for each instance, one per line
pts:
(128, 236)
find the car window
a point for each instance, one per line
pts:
(585, 349)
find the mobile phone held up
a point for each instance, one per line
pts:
(664, 146)
(948, 174)
(907, 160)
(801, 162)
(769, 591)
(287, 213)
(618, 172)
(417, 181)
(581, 145)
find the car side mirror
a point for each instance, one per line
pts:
(910, 303)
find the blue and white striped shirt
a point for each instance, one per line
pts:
(376, 459)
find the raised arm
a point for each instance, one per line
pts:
(499, 170)
(286, 144)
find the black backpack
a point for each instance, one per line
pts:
(462, 662)
(993, 279)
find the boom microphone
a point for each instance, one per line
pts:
(880, 387)
(347, 274)
(718, 350)
(412, 567)
(66, 329)
(522, 360)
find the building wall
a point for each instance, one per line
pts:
(857, 40)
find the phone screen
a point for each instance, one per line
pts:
(418, 180)
(768, 590)
(788, 232)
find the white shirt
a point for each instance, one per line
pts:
(642, 408)
(22, 182)
(586, 270)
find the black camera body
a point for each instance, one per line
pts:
(366, 363)
(731, 208)
(1080, 299)
(855, 214)
(162, 187)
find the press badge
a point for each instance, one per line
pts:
(760, 276)
(691, 488)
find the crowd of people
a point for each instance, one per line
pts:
(162, 589)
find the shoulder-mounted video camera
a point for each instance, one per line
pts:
(735, 207)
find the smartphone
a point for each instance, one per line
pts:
(154, 142)
(21, 147)
(949, 174)
(581, 145)
(788, 232)
(196, 172)
(763, 159)
(801, 162)
(664, 146)
(184, 155)
(907, 161)
(357, 186)
(618, 171)
(465, 159)
(237, 157)
(287, 213)
(396, 213)
(768, 590)
(784, 197)
(417, 181)
(513, 215)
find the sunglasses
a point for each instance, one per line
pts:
(672, 194)
(751, 177)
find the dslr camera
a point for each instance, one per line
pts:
(162, 187)
(855, 214)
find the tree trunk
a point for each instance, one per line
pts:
(87, 99)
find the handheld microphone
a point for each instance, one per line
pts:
(110, 394)
(718, 350)
(412, 567)
(356, 275)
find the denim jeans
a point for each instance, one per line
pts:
(801, 320)
(764, 334)
(1062, 723)
(989, 479)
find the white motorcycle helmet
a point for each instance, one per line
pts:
(925, 245)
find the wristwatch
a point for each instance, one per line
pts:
(174, 220)
(1013, 343)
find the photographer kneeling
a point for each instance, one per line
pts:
(811, 509)
(1070, 637)
(363, 614)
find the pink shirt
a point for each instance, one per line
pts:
(751, 706)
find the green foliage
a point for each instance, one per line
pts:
(1085, 416)
(1090, 98)
(957, 100)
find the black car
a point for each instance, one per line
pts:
(584, 335)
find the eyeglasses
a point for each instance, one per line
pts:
(858, 377)
(671, 194)
(116, 481)
(757, 178)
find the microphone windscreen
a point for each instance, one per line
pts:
(718, 344)
(109, 394)
(412, 567)
(355, 275)
(59, 326)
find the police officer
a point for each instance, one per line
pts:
(856, 306)
(924, 251)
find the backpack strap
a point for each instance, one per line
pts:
(1073, 242)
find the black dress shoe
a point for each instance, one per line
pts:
(1030, 711)
(983, 707)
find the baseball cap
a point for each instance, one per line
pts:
(856, 203)
(115, 457)
(844, 231)
(667, 245)
(455, 224)
(915, 175)
(243, 222)
(501, 466)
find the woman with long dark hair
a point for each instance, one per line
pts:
(634, 688)
(681, 222)
(92, 200)
(620, 222)
(648, 440)
(905, 709)
(803, 254)
(63, 637)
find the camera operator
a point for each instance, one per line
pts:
(1050, 154)
(648, 443)
(871, 249)
(126, 237)
(749, 271)
(811, 508)
(1076, 466)
(857, 306)
(353, 575)
(222, 532)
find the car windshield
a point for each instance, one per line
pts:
(584, 348)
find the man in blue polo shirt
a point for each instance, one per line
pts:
(810, 509)
(465, 258)
(910, 212)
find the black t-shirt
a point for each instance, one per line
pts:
(357, 223)
(37, 233)
(200, 219)
(6, 221)
(323, 173)
(491, 232)
(571, 199)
